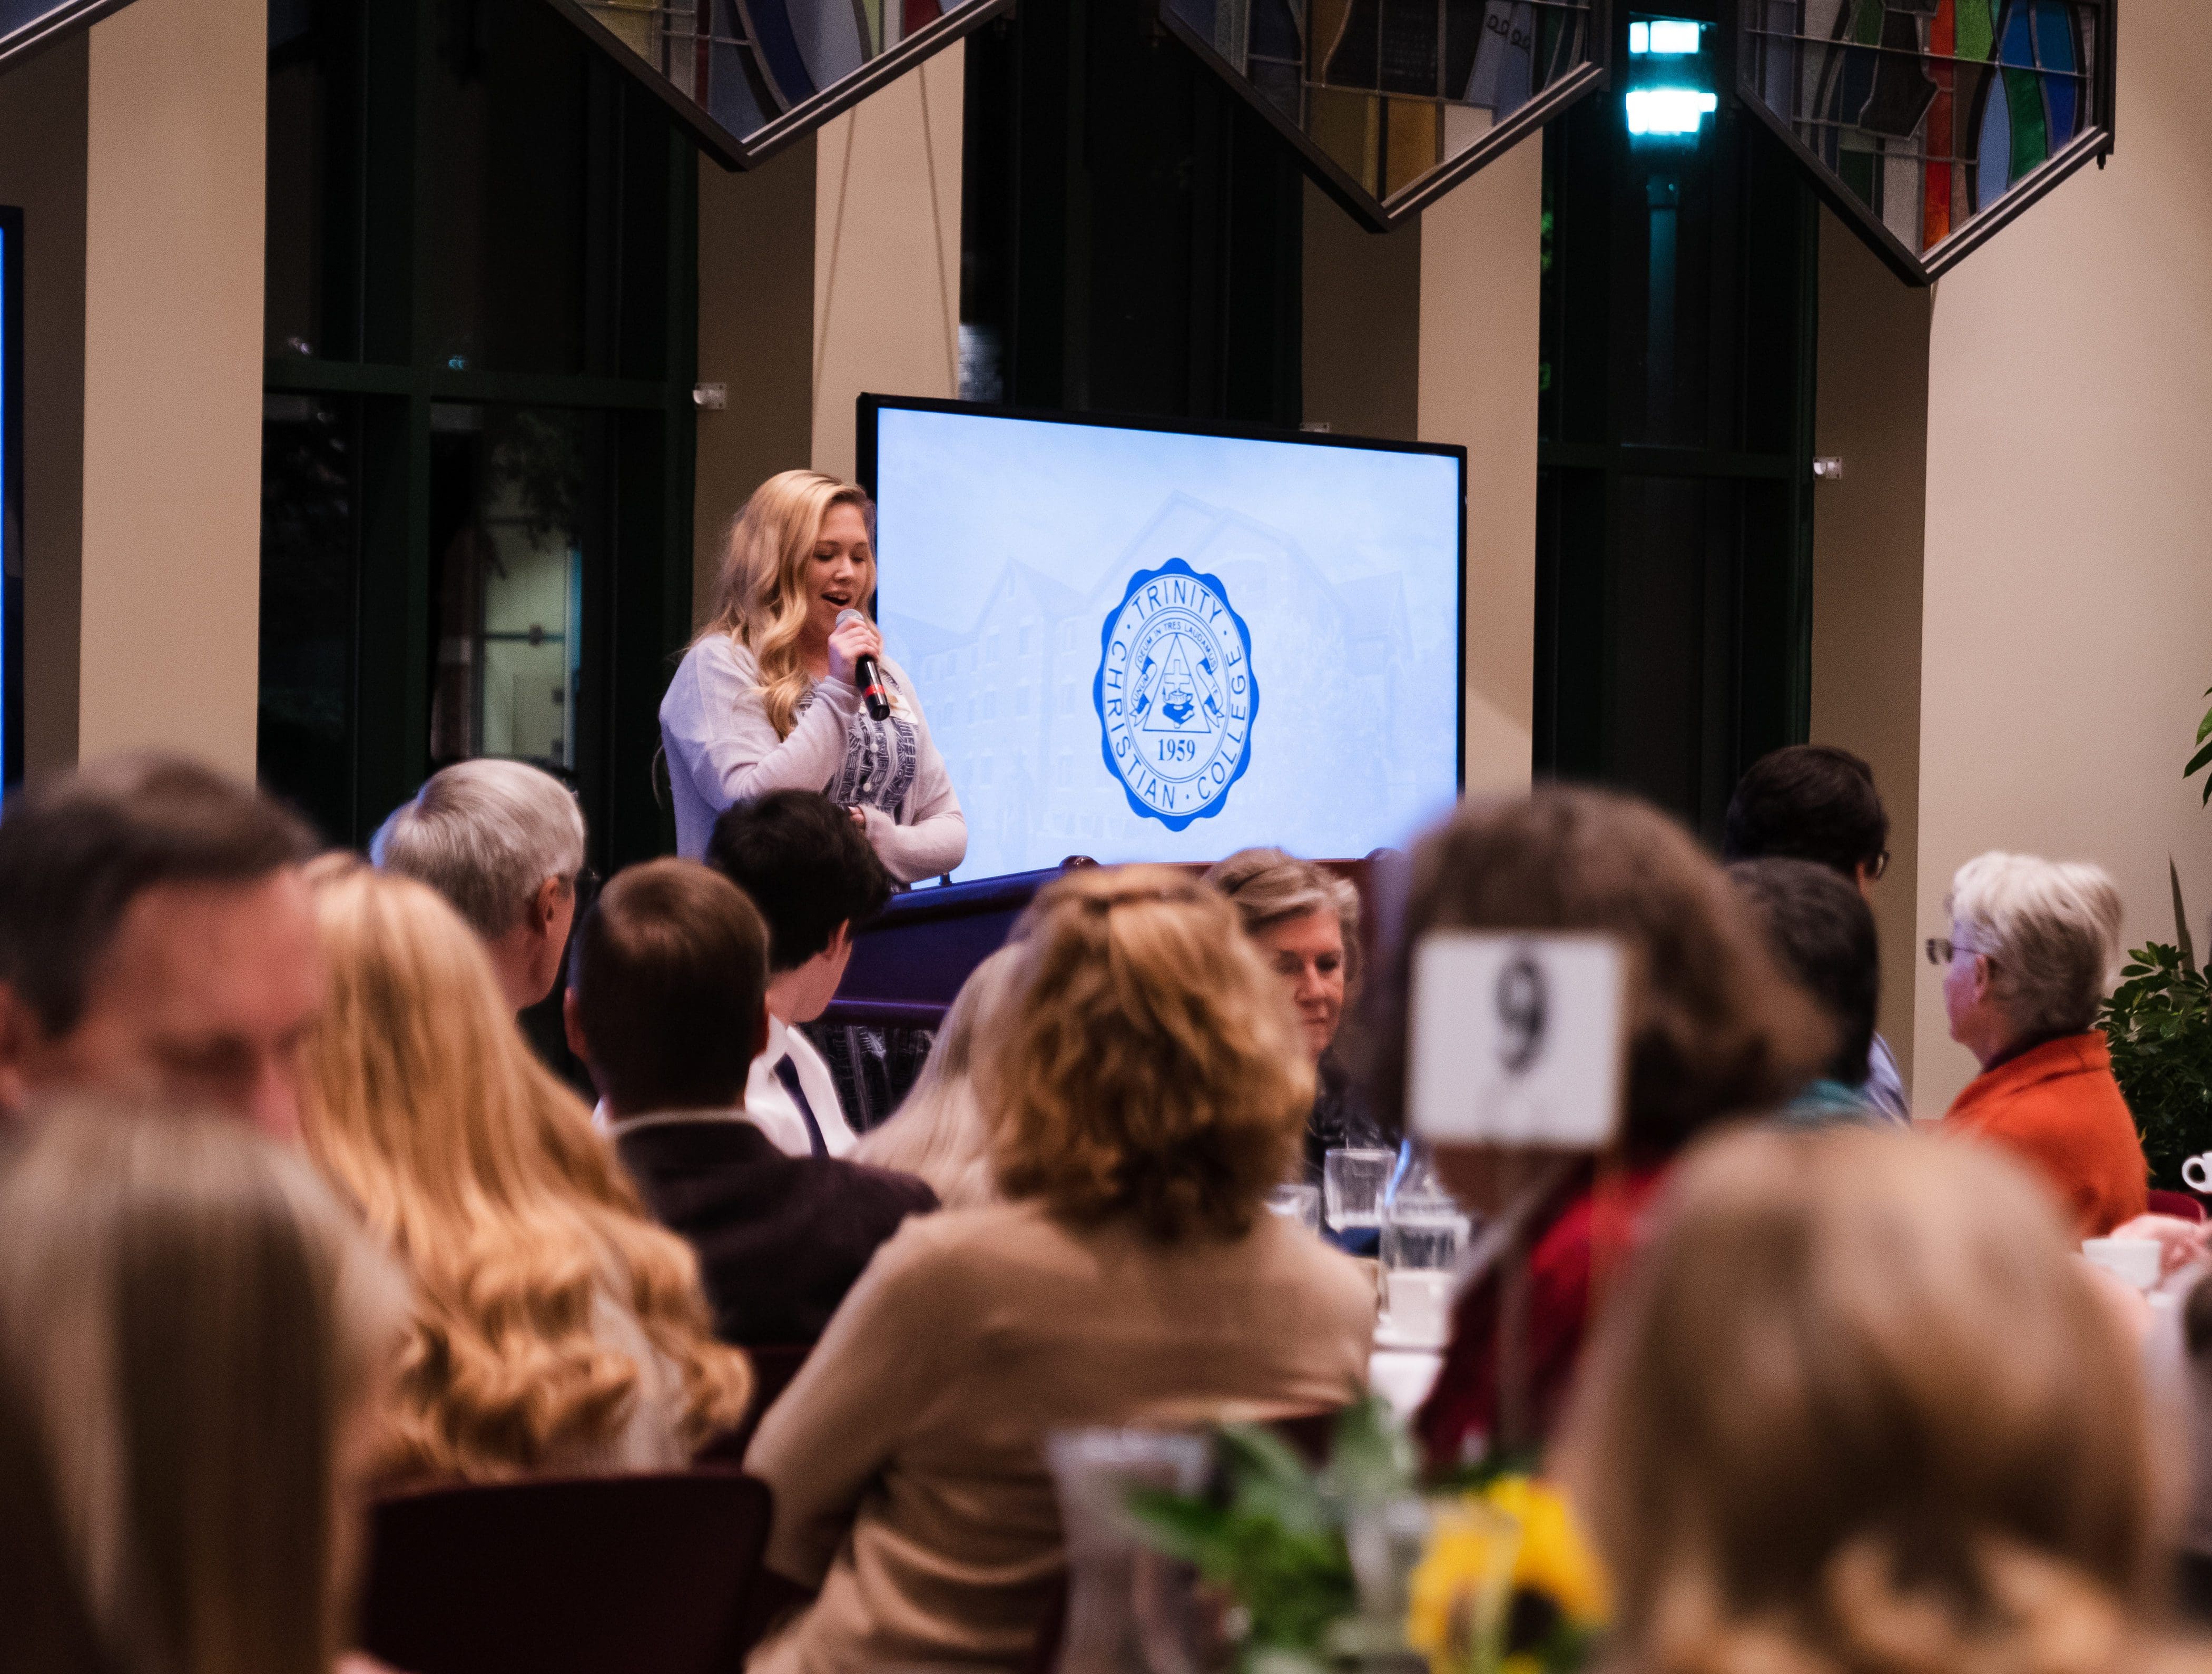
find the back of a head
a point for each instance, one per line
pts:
(1148, 1065)
(425, 1104)
(941, 1132)
(190, 1323)
(1822, 931)
(77, 848)
(2051, 929)
(485, 834)
(1808, 802)
(1712, 1029)
(669, 972)
(1270, 887)
(1858, 1408)
(804, 864)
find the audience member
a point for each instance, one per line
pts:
(1713, 1031)
(155, 941)
(941, 1133)
(195, 1341)
(1306, 922)
(666, 1005)
(1858, 1410)
(556, 1329)
(2031, 953)
(504, 843)
(1817, 802)
(809, 870)
(1822, 933)
(1149, 1092)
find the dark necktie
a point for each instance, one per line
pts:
(788, 1073)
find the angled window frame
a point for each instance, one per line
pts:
(2093, 143)
(57, 23)
(742, 151)
(1592, 75)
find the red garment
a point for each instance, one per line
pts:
(2057, 1106)
(1595, 1224)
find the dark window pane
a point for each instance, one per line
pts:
(512, 130)
(517, 497)
(310, 541)
(313, 171)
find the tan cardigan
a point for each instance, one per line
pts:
(907, 1458)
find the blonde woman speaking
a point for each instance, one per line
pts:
(771, 696)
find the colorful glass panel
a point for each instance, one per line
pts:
(751, 76)
(1392, 102)
(1934, 121)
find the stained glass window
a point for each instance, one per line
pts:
(751, 76)
(1933, 122)
(1394, 102)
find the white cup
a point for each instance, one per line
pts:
(1417, 1306)
(2197, 1172)
(2132, 1261)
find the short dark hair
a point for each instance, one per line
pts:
(806, 865)
(1808, 802)
(77, 848)
(1822, 930)
(671, 972)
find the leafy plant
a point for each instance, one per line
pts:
(2203, 759)
(2159, 1025)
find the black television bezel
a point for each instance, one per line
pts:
(868, 407)
(11, 495)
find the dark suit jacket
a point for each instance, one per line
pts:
(780, 1239)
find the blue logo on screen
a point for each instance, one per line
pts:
(1175, 694)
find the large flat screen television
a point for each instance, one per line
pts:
(1141, 641)
(11, 497)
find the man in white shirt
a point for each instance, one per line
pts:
(806, 865)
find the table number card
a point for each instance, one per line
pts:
(1516, 1040)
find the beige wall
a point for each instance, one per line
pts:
(1867, 572)
(1481, 252)
(174, 204)
(1360, 361)
(2069, 522)
(887, 252)
(42, 165)
(756, 335)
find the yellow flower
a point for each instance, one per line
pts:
(1456, 1595)
(1552, 1558)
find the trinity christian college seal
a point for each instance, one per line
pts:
(1175, 694)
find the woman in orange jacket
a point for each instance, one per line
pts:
(2031, 950)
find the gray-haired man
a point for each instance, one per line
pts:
(504, 843)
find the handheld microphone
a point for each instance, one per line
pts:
(867, 676)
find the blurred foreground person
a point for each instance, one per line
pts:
(1715, 1031)
(155, 941)
(1149, 1093)
(556, 1330)
(1858, 1410)
(666, 1005)
(1306, 922)
(1822, 935)
(2031, 953)
(195, 1341)
(940, 1132)
(503, 841)
(1818, 804)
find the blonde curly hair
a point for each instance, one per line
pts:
(1149, 1065)
(480, 1170)
(1857, 1409)
(760, 597)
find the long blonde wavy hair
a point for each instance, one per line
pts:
(760, 599)
(480, 1169)
(1857, 1409)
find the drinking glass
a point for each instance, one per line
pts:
(1296, 1202)
(1424, 1231)
(1352, 1184)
